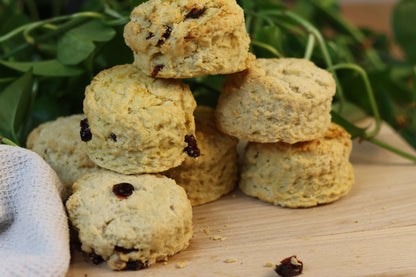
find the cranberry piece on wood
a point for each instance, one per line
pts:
(289, 267)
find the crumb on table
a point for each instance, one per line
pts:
(180, 265)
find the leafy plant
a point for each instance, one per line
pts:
(45, 64)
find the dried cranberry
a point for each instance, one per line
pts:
(289, 267)
(165, 36)
(123, 250)
(85, 132)
(150, 36)
(195, 13)
(167, 33)
(123, 190)
(192, 149)
(157, 69)
(134, 265)
(96, 259)
(113, 136)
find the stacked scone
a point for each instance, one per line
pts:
(295, 156)
(134, 127)
(215, 171)
(138, 127)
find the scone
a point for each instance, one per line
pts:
(287, 100)
(188, 38)
(304, 174)
(58, 143)
(135, 123)
(215, 172)
(130, 221)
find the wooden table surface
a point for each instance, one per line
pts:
(369, 232)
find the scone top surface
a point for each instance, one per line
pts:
(188, 38)
(138, 123)
(215, 172)
(148, 223)
(286, 99)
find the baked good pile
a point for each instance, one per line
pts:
(143, 153)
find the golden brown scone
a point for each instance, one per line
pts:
(304, 174)
(58, 142)
(130, 221)
(286, 100)
(137, 124)
(188, 38)
(215, 172)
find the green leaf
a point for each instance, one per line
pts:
(77, 44)
(348, 126)
(73, 49)
(15, 101)
(44, 68)
(404, 22)
(349, 111)
(105, 58)
(247, 5)
(271, 35)
(206, 89)
(135, 3)
(93, 31)
(409, 136)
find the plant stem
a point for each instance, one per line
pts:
(31, 26)
(354, 32)
(392, 149)
(268, 47)
(63, 28)
(369, 90)
(309, 47)
(7, 141)
(318, 36)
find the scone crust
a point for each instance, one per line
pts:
(304, 174)
(58, 143)
(150, 225)
(188, 38)
(138, 123)
(274, 100)
(215, 172)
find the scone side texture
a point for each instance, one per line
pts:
(138, 123)
(299, 175)
(149, 225)
(274, 100)
(215, 172)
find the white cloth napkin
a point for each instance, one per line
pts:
(34, 239)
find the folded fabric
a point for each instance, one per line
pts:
(34, 239)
